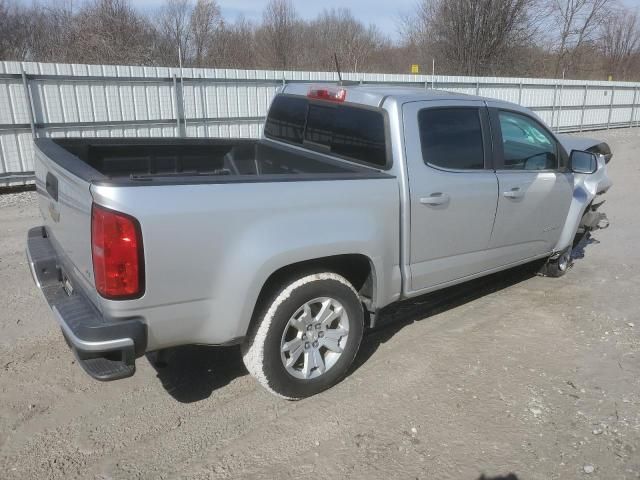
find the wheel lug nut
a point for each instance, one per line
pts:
(320, 334)
(318, 326)
(304, 336)
(315, 344)
(306, 345)
(309, 327)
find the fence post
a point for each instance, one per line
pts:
(553, 107)
(520, 93)
(584, 106)
(613, 92)
(560, 98)
(30, 111)
(178, 107)
(203, 104)
(633, 106)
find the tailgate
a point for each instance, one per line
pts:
(65, 203)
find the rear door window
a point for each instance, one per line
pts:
(354, 133)
(451, 138)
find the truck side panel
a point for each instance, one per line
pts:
(210, 248)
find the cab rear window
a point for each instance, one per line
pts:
(353, 133)
(286, 119)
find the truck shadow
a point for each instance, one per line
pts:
(579, 250)
(193, 372)
(397, 316)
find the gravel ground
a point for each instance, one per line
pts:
(513, 377)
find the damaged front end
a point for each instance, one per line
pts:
(592, 220)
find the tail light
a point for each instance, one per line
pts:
(330, 94)
(118, 259)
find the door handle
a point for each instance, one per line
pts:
(515, 192)
(437, 198)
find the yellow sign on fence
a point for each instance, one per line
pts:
(415, 68)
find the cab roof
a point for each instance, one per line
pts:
(374, 95)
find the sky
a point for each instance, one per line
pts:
(383, 13)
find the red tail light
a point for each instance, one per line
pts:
(118, 259)
(327, 93)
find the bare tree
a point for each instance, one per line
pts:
(620, 42)
(233, 46)
(577, 22)
(53, 32)
(337, 31)
(111, 32)
(16, 25)
(279, 34)
(471, 37)
(174, 29)
(582, 38)
(205, 22)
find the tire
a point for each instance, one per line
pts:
(305, 317)
(557, 267)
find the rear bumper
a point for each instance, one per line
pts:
(106, 349)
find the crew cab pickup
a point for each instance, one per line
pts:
(355, 197)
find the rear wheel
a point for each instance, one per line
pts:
(305, 336)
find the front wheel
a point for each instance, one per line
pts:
(558, 266)
(306, 336)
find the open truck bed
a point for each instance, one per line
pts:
(161, 161)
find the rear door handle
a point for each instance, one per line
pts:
(515, 192)
(437, 198)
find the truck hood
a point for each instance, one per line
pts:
(572, 142)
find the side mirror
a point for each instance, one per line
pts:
(583, 162)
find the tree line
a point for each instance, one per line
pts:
(589, 39)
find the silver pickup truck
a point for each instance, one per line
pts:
(355, 197)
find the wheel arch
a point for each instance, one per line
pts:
(356, 268)
(579, 203)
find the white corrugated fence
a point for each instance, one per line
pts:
(54, 100)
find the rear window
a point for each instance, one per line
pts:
(286, 119)
(351, 132)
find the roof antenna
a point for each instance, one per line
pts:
(342, 83)
(335, 57)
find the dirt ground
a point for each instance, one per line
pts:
(512, 377)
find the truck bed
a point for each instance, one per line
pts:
(215, 217)
(162, 160)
